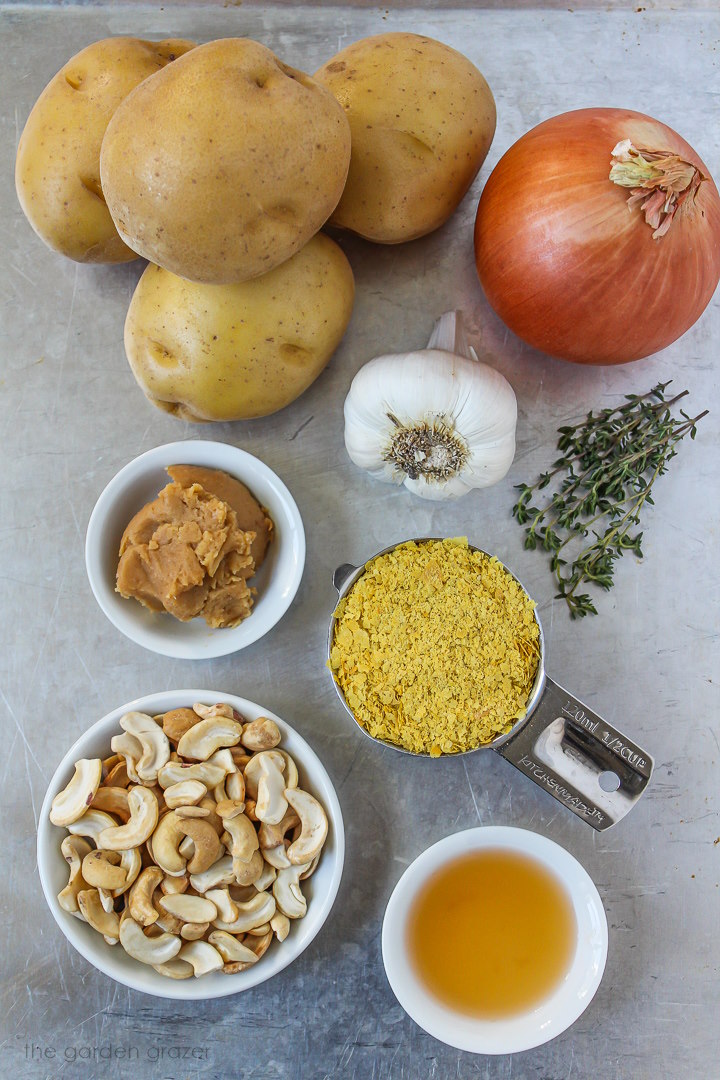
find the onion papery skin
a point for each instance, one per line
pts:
(564, 262)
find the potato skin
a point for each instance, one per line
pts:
(233, 352)
(224, 165)
(422, 119)
(57, 170)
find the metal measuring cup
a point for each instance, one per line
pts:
(561, 744)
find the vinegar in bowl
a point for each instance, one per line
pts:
(492, 933)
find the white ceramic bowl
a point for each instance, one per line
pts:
(320, 889)
(550, 1017)
(137, 484)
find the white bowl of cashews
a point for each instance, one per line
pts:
(261, 917)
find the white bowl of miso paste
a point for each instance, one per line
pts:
(495, 940)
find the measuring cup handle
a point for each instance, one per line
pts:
(578, 758)
(342, 575)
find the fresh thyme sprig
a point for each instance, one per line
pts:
(602, 479)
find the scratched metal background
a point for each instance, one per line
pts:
(72, 416)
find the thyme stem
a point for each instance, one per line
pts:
(618, 454)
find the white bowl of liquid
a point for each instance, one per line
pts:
(501, 1029)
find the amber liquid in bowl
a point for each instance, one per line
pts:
(492, 933)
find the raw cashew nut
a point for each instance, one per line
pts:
(226, 907)
(261, 734)
(242, 893)
(291, 773)
(102, 870)
(252, 769)
(108, 764)
(185, 811)
(228, 808)
(177, 721)
(260, 909)
(184, 793)
(287, 892)
(168, 923)
(210, 772)
(140, 902)
(281, 925)
(243, 838)
(189, 908)
(153, 741)
(187, 848)
(106, 922)
(311, 868)
(166, 840)
(148, 950)
(130, 750)
(113, 800)
(270, 805)
(220, 873)
(91, 824)
(221, 708)
(72, 802)
(193, 931)
(231, 949)
(175, 884)
(272, 840)
(247, 873)
(118, 775)
(230, 790)
(235, 786)
(268, 875)
(202, 740)
(203, 957)
(314, 823)
(240, 757)
(74, 849)
(259, 945)
(175, 969)
(143, 808)
(257, 931)
(213, 818)
(106, 899)
(208, 848)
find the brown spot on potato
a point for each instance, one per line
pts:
(283, 212)
(294, 354)
(161, 355)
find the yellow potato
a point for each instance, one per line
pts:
(422, 119)
(224, 165)
(232, 352)
(57, 172)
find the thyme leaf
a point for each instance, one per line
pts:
(596, 489)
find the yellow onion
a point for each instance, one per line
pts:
(597, 236)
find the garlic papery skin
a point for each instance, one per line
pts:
(438, 420)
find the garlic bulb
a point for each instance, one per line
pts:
(438, 421)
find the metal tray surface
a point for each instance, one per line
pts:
(72, 416)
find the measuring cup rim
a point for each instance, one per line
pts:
(354, 575)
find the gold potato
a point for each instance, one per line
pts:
(224, 165)
(232, 352)
(422, 120)
(57, 171)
